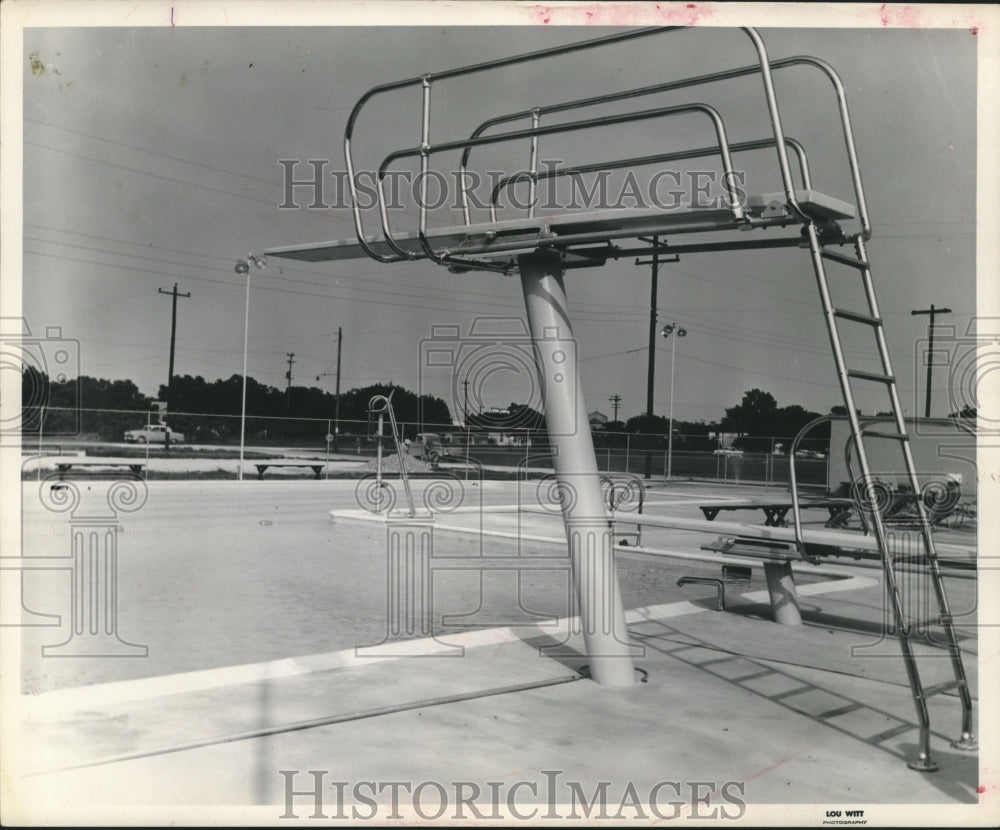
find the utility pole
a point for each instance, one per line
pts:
(654, 263)
(288, 376)
(654, 278)
(173, 336)
(615, 402)
(932, 311)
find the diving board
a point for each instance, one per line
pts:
(509, 237)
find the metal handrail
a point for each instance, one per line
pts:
(424, 151)
(793, 486)
(381, 404)
(454, 73)
(696, 80)
(793, 482)
(638, 161)
(426, 80)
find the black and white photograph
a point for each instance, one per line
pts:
(499, 414)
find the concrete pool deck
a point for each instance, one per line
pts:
(252, 670)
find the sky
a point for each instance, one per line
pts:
(151, 156)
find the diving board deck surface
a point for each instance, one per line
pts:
(853, 544)
(524, 234)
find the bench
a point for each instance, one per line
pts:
(775, 513)
(316, 466)
(776, 558)
(731, 575)
(136, 468)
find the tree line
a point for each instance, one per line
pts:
(205, 411)
(107, 408)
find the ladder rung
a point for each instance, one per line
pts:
(872, 376)
(895, 436)
(844, 259)
(942, 687)
(857, 317)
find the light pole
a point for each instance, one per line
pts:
(243, 267)
(674, 329)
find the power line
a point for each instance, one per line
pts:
(149, 173)
(150, 152)
(755, 373)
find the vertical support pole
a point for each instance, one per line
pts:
(243, 406)
(327, 466)
(336, 405)
(378, 463)
(781, 588)
(670, 422)
(587, 526)
(533, 178)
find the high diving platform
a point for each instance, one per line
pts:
(762, 206)
(576, 233)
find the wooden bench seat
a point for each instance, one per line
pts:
(316, 466)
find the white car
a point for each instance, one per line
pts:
(153, 434)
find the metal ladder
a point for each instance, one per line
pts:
(867, 492)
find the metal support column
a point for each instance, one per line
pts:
(587, 524)
(781, 589)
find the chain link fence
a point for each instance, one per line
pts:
(118, 431)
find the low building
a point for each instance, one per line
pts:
(597, 419)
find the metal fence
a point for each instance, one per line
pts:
(103, 431)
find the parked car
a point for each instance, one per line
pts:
(153, 434)
(809, 454)
(427, 446)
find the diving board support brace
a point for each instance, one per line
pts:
(781, 589)
(588, 528)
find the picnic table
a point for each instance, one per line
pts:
(775, 512)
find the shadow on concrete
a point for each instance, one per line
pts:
(847, 715)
